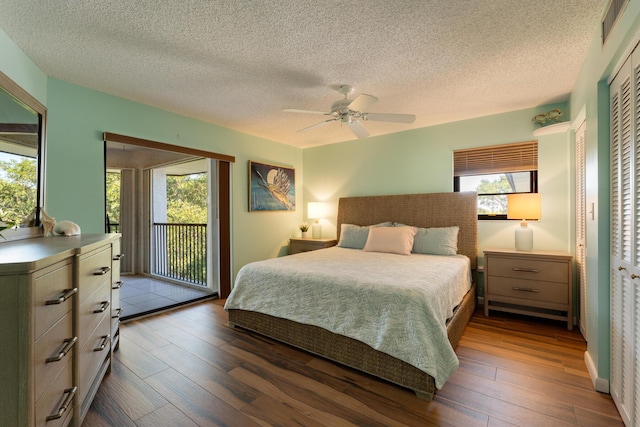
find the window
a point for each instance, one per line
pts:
(495, 171)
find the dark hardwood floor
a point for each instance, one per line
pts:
(188, 368)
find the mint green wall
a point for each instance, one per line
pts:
(19, 68)
(421, 160)
(74, 160)
(591, 96)
(77, 119)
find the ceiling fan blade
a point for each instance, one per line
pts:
(317, 125)
(362, 102)
(387, 117)
(357, 128)
(293, 110)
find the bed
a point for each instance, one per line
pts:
(418, 210)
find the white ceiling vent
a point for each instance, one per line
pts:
(614, 10)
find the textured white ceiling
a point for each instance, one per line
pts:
(238, 63)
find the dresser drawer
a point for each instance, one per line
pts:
(116, 256)
(93, 353)
(55, 286)
(56, 346)
(92, 311)
(530, 290)
(53, 400)
(116, 308)
(531, 269)
(94, 270)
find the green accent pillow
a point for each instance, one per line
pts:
(355, 236)
(436, 241)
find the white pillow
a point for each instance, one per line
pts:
(436, 241)
(393, 240)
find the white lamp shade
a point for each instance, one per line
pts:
(317, 210)
(524, 206)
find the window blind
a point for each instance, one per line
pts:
(518, 157)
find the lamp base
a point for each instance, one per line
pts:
(524, 238)
(316, 231)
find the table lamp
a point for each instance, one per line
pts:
(316, 211)
(524, 206)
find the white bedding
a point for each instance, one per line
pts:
(396, 304)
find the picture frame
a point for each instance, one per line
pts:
(271, 187)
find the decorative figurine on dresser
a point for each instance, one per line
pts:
(58, 326)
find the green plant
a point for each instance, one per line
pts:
(304, 227)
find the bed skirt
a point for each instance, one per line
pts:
(353, 353)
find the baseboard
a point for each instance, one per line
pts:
(600, 384)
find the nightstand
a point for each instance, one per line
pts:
(305, 245)
(536, 283)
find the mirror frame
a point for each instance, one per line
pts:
(25, 97)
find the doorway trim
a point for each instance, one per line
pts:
(224, 195)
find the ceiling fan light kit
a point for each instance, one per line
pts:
(348, 111)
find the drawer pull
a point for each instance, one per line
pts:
(118, 257)
(526, 270)
(69, 343)
(634, 276)
(102, 271)
(515, 288)
(103, 344)
(103, 307)
(620, 268)
(117, 285)
(70, 392)
(67, 293)
(117, 314)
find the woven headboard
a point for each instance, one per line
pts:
(419, 210)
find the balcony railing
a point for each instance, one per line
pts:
(181, 252)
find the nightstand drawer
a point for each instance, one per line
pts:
(306, 245)
(531, 269)
(530, 289)
(536, 283)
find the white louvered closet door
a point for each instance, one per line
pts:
(625, 245)
(581, 230)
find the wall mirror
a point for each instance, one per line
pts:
(22, 130)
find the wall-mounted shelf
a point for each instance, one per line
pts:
(552, 129)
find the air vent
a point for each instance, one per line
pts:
(614, 10)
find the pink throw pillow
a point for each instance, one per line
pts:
(393, 240)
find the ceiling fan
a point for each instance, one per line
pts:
(349, 112)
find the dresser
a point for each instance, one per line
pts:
(57, 328)
(305, 245)
(536, 283)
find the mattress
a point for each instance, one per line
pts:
(393, 303)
